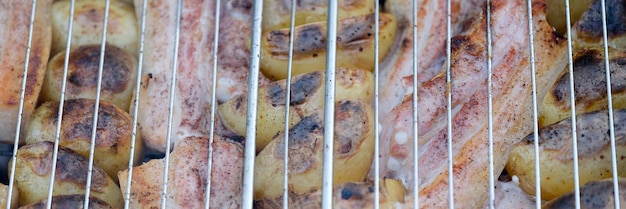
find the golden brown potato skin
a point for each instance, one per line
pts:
(555, 148)
(122, 28)
(4, 193)
(307, 96)
(69, 201)
(355, 45)
(119, 74)
(593, 195)
(353, 152)
(277, 13)
(113, 135)
(32, 175)
(590, 86)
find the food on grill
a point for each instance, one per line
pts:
(119, 74)
(556, 12)
(122, 27)
(588, 30)
(69, 201)
(15, 17)
(347, 196)
(277, 13)
(355, 45)
(512, 113)
(593, 195)
(33, 168)
(307, 96)
(4, 193)
(590, 86)
(430, 49)
(113, 132)
(353, 152)
(193, 87)
(556, 159)
(187, 176)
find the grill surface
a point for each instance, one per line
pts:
(328, 105)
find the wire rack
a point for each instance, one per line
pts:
(329, 107)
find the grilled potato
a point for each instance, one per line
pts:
(277, 13)
(556, 12)
(590, 86)
(69, 201)
(119, 74)
(353, 152)
(555, 154)
(32, 175)
(355, 46)
(113, 135)
(593, 195)
(347, 195)
(588, 31)
(307, 96)
(122, 27)
(4, 193)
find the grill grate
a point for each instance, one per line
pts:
(329, 109)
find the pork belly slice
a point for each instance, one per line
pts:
(15, 17)
(188, 175)
(193, 87)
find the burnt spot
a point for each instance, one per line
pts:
(457, 42)
(309, 39)
(352, 191)
(72, 168)
(241, 4)
(354, 30)
(85, 62)
(589, 26)
(301, 88)
(351, 124)
(303, 144)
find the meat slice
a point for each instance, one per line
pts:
(193, 85)
(187, 176)
(15, 17)
(431, 40)
(512, 107)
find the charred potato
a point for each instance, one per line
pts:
(355, 46)
(555, 154)
(113, 135)
(307, 96)
(277, 13)
(122, 27)
(590, 86)
(4, 193)
(32, 175)
(588, 31)
(69, 201)
(119, 73)
(353, 152)
(556, 12)
(593, 195)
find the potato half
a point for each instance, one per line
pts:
(307, 96)
(113, 135)
(119, 73)
(32, 175)
(355, 45)
(590, 86)
(277, 13)
(122, 28)
(4, 193)
(593, 195)
(556, 159)
(353, 152)
(69, 201)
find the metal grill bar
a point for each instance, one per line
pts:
(135, 106)
(449, 105)
(572, 105)
(179, 11)
(375, 107)
(492, 193)
(329, 106)
(287, 102)
(21, 107)
(415, 110)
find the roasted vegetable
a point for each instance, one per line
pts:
(588, 31)
(69, 201)
(119, 74)
(556, 12)
(556, 157)
(122, 27)
(277, 13)
(113, 135)
(593, 195)
(590, 86)
(307, 96)
(355, 45)
(353, 152)
(32, 175)
(4, 193)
